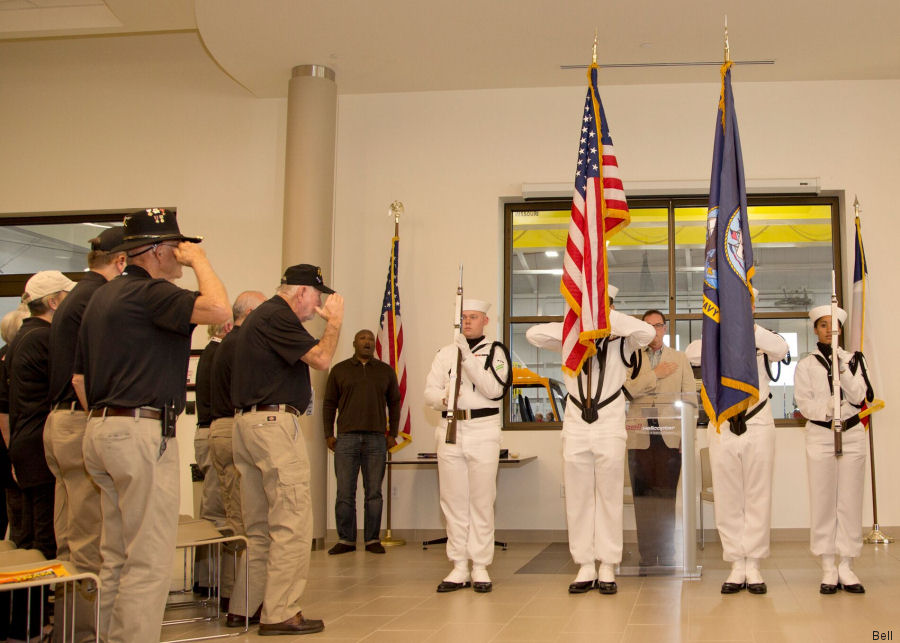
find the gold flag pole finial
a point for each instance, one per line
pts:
(395, 211)
(727, 48)
(856, 205)
(594, 49)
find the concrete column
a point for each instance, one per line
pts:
(308, 213)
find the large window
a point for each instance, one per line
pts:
(657, 262)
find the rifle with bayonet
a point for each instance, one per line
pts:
(456, 375)
(836, 422)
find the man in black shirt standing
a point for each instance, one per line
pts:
(358, 391)
(130, 371)
(270, 388)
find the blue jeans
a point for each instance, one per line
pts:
(366, 450)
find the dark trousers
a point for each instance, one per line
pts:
(31, 527)
(366, 451)
(654, 477)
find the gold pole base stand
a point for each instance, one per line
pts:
(877, 537)
(390, 541)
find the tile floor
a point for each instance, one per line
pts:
(391, 598)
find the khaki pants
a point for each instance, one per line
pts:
(222, 457)
(211, 509)
(270, 454)
(76, 516)
(139, 500)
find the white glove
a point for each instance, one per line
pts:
(463, 345)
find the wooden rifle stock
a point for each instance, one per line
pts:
(453, 402)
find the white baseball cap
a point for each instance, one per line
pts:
(46, 282)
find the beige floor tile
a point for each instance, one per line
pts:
(602, 618)
(419, 618)
(654, 634)
(530, 628)
(397, 636)
(714, 628)
(468, 632)
(659, 614)
(388, 606)
(355, 626)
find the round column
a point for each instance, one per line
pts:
(307, 227)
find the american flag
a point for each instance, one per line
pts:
(599, 210)
(389, 343)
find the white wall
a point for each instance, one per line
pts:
(135, 121)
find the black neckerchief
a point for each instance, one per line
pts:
(825, 349)
(474, 342)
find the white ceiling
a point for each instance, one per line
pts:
(423, 45)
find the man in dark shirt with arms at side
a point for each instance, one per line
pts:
(359, 389)
(130, 371)
(270, 388)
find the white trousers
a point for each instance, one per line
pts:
(835, 491)
(467, 473)
(742, 468)
(594, 477)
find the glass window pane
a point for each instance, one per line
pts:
(26, 249)
(537, 381)
(638, 262)
(536, 258)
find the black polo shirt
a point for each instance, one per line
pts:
(361, 392)
(5, 475)
(29, 403)
(204, 383)
(220, 392)
(64, 336)
(135, 341)
(268, 368)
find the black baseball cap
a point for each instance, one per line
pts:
(109, 240)
(305, 274)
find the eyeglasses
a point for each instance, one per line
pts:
(662, 325)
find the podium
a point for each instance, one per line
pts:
(661, 469)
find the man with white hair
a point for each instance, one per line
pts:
(593, 438)
(467, 470)
(835, 483)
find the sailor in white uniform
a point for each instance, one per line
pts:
(835, 482)
(742, 459)
(467, 470)
(594, 448)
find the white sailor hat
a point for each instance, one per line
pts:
(476, 304)
(815, 314)
(755, 293)
(612, 291)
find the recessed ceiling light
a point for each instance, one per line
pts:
(551, 253)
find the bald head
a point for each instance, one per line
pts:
(244, 305)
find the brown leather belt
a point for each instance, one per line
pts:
(121, 411)
(276, 408)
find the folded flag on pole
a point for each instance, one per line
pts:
(599, 210)
(728, 366)
(860, 335)
(389, 343)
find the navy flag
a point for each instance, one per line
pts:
(728, 363)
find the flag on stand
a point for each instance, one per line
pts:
(599, 211)
(860, 336)
(728, 367)
(389, 343)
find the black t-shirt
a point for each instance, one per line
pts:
(268, 368)
(135, 341)
(5, 475)
(220, 393)
(29, 402)
(64, 336)
(204, 383)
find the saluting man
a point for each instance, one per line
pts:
(594, 448)
(835, 483)
(467, 470)
(742, 460)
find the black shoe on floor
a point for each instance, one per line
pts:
(342, 548)
(239, 620)
(607, 588)
(733, 588)
(375, 548)
(855, 588)
(757, 588)
(825, 588)
(447, 586)
(582, 587)
(294, 625)
(483, 588)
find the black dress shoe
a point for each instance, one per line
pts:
(757, 588)
(224, 604)
(855, 588)
(607, 588)
(582, 587)
(294, 625)
(483, 588)
(341, 548)
(375, 548)
(447, 586)
(732, 588)
(239, 620)
(825, 588)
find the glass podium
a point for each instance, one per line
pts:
(661, 468)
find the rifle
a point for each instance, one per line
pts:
(836, 423)
(453, 401)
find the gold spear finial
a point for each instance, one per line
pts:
(396, 210)
(856, 205)
(727, 49)
(594, 50)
